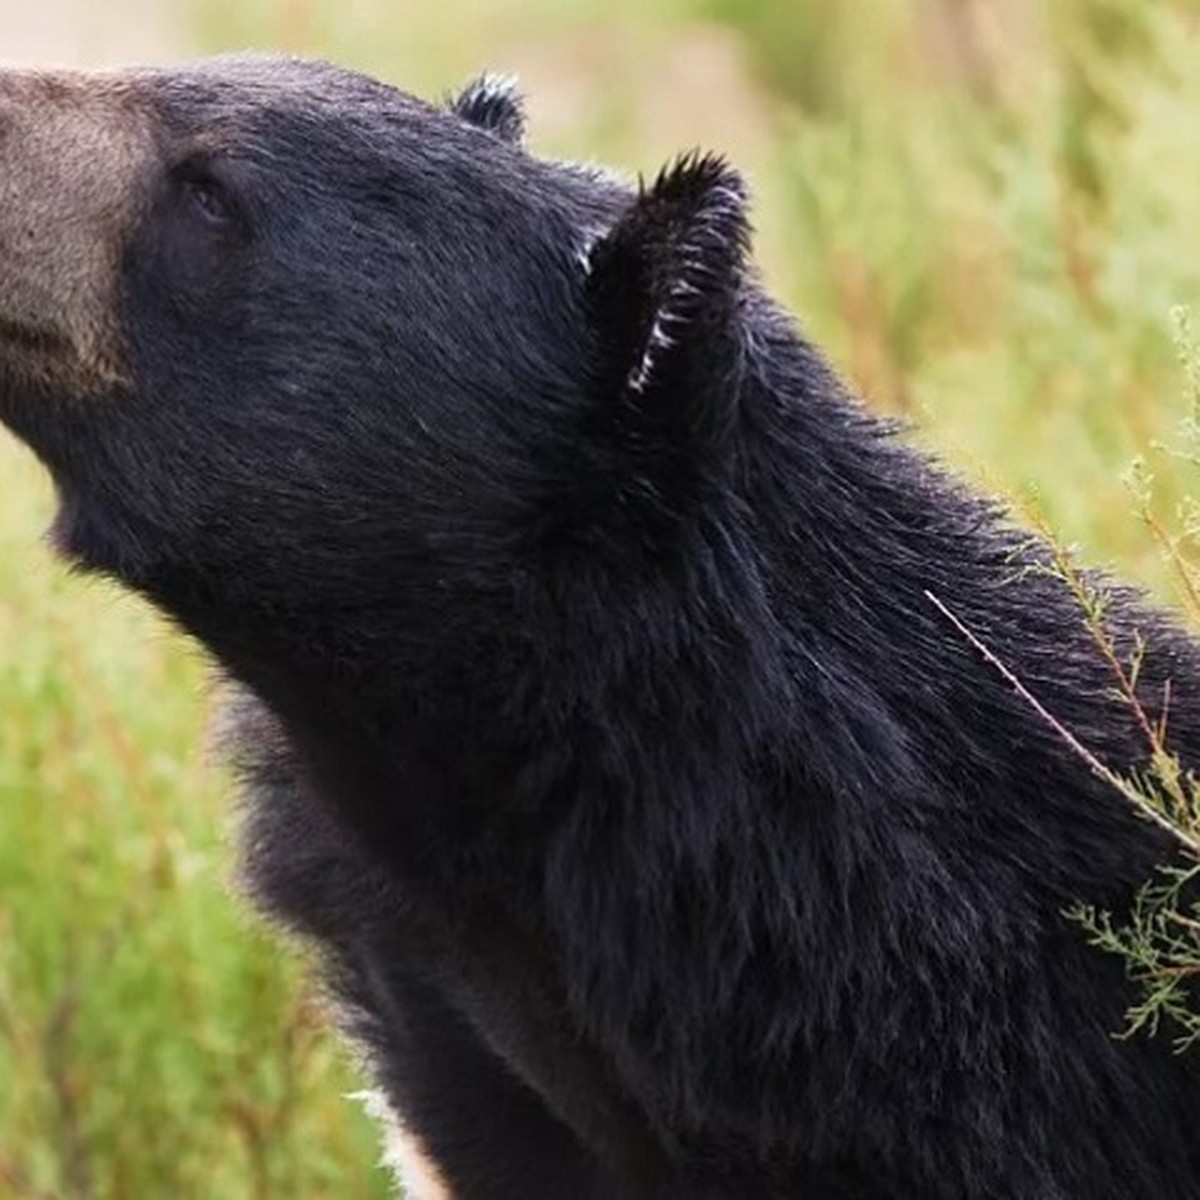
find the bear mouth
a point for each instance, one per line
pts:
(30, 339)
(30, 354)
(41, 357)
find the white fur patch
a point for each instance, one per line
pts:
(591, 237)
(658, 341)
(418, 1177)
(493, 88)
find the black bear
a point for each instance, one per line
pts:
(662, 835)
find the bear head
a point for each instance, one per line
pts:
(300, 349)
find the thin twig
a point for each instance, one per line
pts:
(1093, 763)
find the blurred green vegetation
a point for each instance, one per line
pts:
(984, 212)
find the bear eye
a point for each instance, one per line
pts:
(209, 201)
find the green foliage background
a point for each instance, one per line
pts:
(984, 211)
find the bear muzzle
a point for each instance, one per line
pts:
(75, 150)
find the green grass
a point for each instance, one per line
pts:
(152, 1041)
(987, 223)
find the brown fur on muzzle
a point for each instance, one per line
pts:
(75, 151)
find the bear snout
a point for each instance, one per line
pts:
(74, 149)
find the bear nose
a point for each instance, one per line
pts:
(15, 90)
(7, 100)
(12, 83)
(20, 90)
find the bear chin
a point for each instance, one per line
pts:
(91, 540)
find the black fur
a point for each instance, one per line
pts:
(662, 838)
(494, 104)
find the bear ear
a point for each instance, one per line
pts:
(664, 283)
(494, 103)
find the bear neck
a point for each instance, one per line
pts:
(780, 639)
